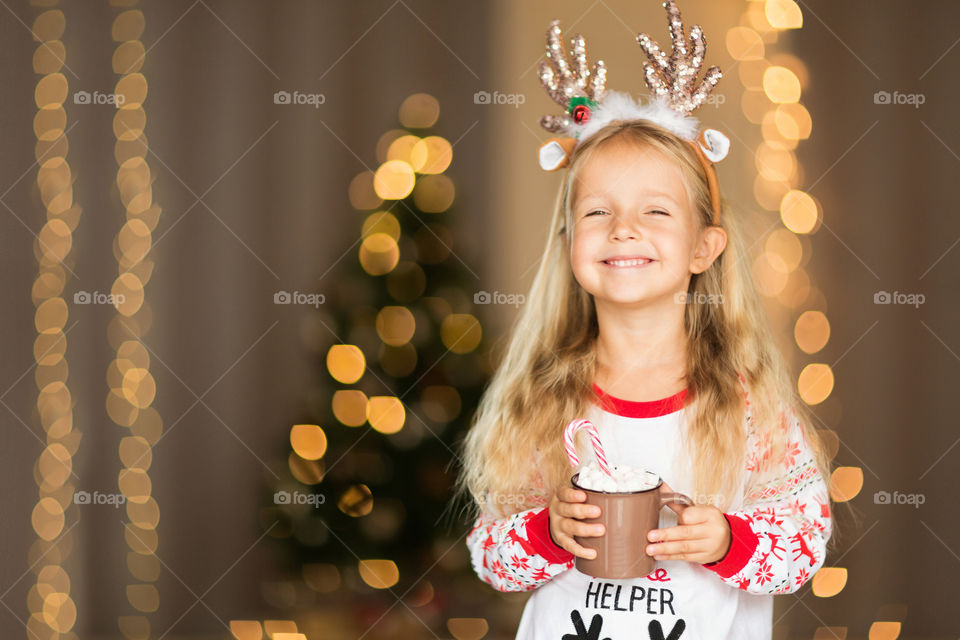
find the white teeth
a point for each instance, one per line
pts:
(627, 263)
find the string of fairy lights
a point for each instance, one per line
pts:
(132, 386)
(52, 611)
(773, 85)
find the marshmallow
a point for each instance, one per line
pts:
(623, 479)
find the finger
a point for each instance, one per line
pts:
(578, 510)
(676, 550)
(582, 529)
(569, 494)
(679, 532)
(697, 514)
(571, 545)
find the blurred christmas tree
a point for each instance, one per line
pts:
(401, 365)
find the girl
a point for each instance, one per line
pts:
(643, 318)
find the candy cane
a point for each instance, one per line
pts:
(568, 442)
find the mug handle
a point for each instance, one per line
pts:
(676, 501)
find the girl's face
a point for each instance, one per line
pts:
(636, 239)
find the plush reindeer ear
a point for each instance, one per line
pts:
(715, 145)
(555, 153)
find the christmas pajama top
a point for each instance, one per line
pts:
(779, 534)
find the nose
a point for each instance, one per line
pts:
(624, 228)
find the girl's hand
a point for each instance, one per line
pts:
(703, 535)
(566, 511)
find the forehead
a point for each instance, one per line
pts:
(629, 170)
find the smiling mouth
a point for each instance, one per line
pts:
(632, 262)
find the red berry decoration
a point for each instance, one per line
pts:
(581, 113)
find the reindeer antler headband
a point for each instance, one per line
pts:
(672, 79)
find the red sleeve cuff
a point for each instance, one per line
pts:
(538, 533)
(743, 542)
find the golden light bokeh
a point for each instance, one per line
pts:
(811, 331)
(783, 14)
(361, 194)
(744, 43)
(356, 501)
(346, 363)
(401, 147)
(884, 630)
(431, 155)
(468, 628)
(798, 211)
(419, 111)
(246, 629)
(379, 254)
(379, 574)
(381, 222)
(395, 325)
(815, 383)
(393, 180)
(829, 581)
(386, 414)
(350, 407)
(461, 332)
(434, 193)
(441, 403)
(845, 483)
(308, 441)
(781, 84)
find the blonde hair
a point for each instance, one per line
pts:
(513, 458)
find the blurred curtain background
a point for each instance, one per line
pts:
(252, 197)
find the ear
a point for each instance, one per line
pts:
(715, 145)
(712, 242)
(555, 153)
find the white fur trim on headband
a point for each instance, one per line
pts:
(717, 147)
(617, 105)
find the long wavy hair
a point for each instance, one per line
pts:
(513, 457)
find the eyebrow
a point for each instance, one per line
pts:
(655, 194)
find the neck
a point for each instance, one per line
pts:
(641, 348)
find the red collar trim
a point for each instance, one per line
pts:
(639, 408)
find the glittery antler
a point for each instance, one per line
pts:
(675, 76)
(566, 80)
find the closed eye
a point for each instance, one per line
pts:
(655, 211)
